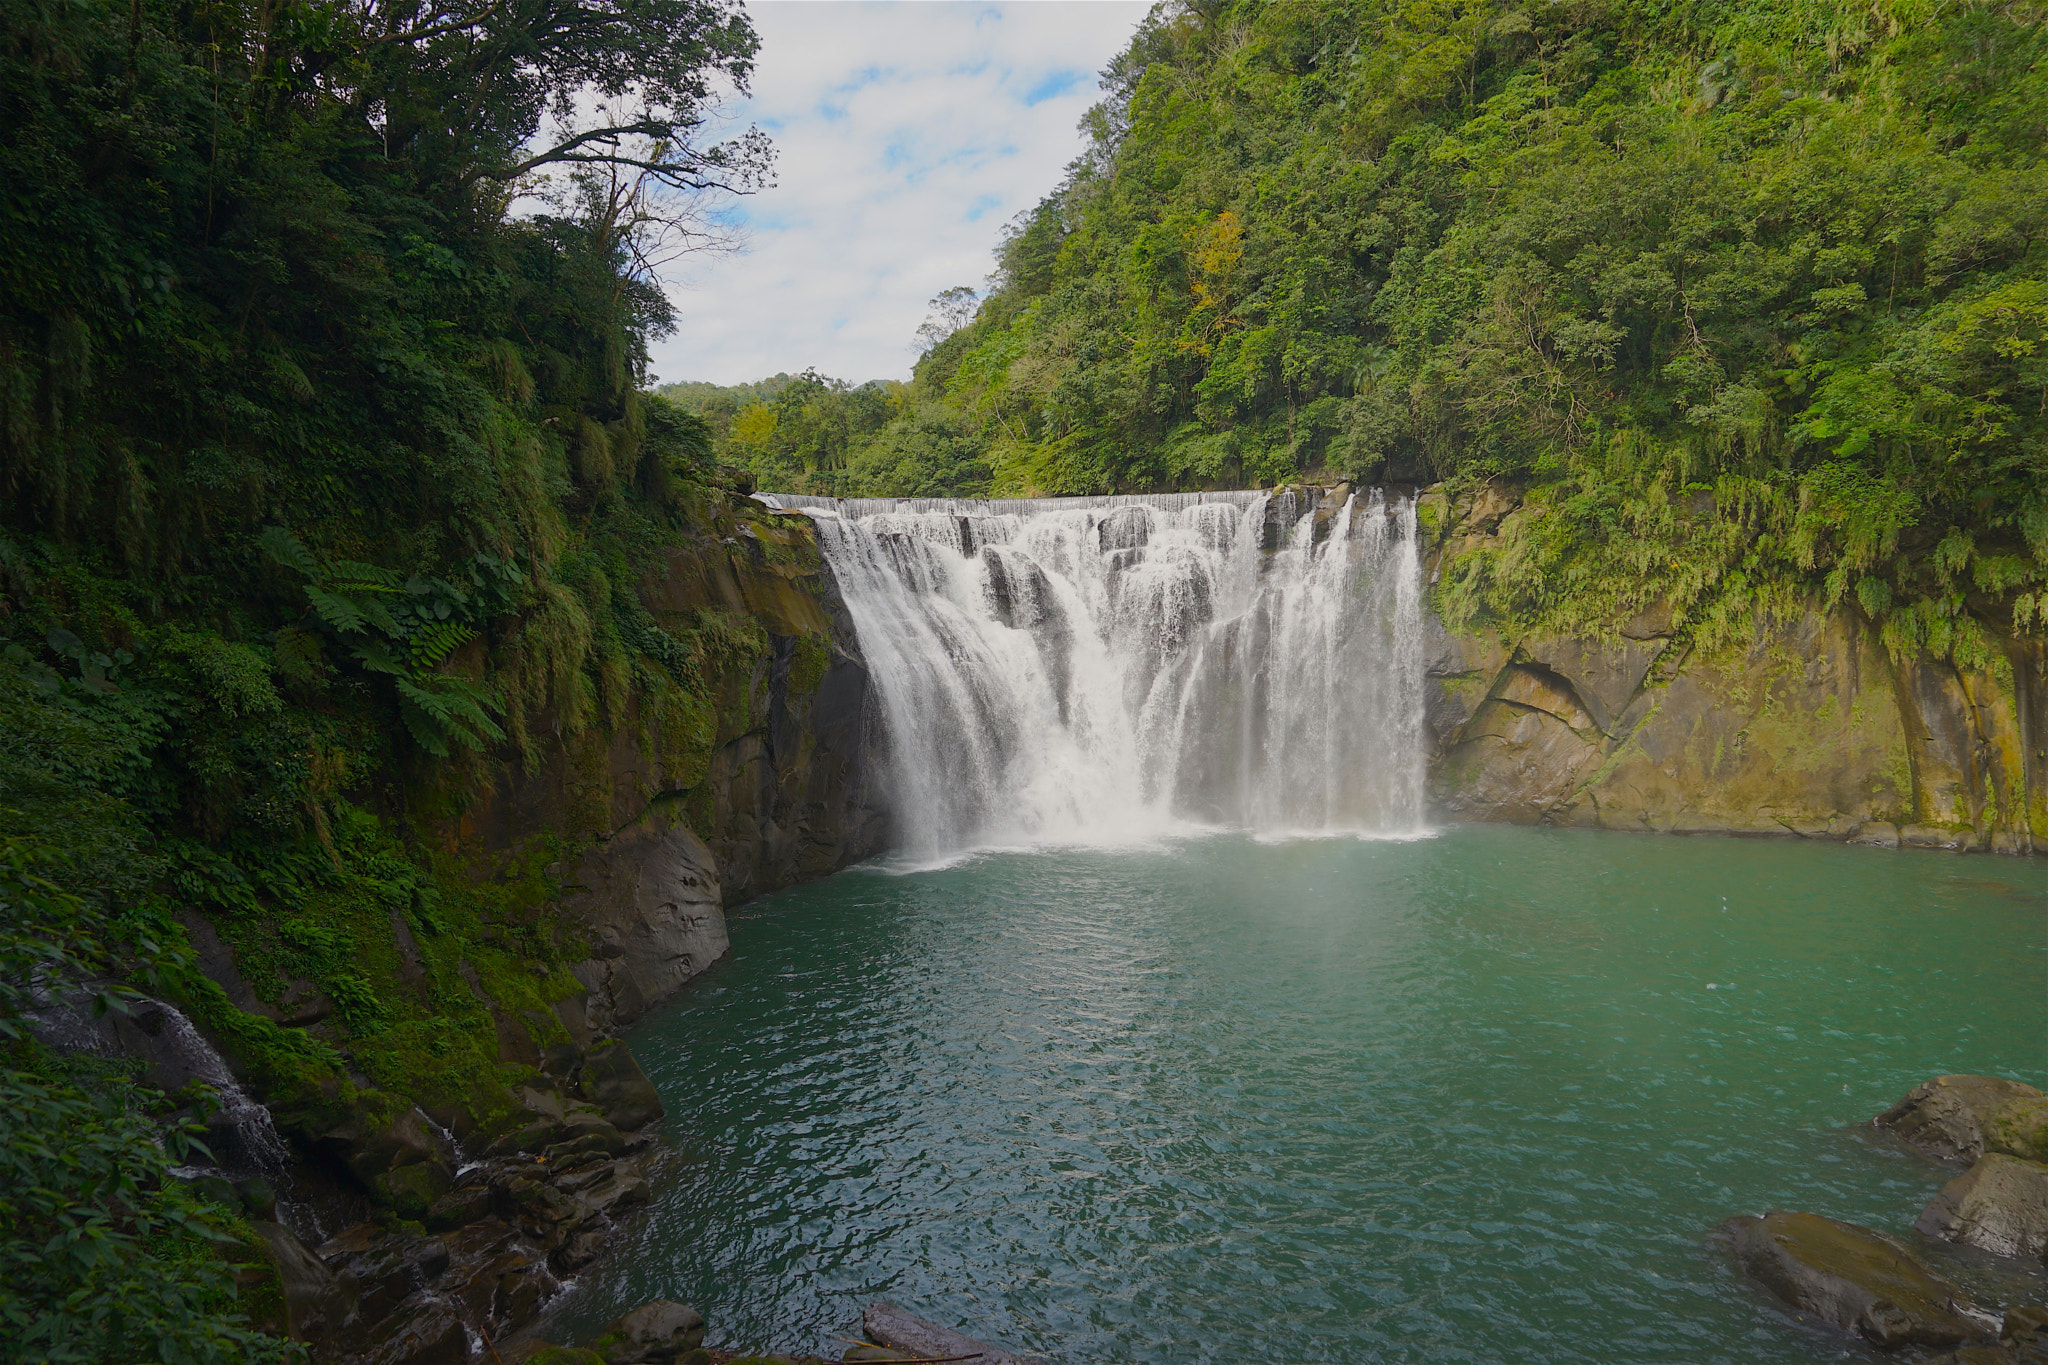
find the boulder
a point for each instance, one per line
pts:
(2024, 1341)
(579, 1251)
(890, 1325)
(612, 1080)
(647, 900)
(425, 1330)
(583, 1134)
(318, 1304)
(387, 1268)
(370, 1148)
(1961, 1118)
(458, 1208)
(2026, 1326)
(541, 1133)
(412, 1190)
(614, 1189)
(1999, 1205)
(1852, 1278)
(654, 1332)
(259, 1197)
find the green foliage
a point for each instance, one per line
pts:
(101, 1257)
(409, 636)
(795, 433)
(1749, 297)
(326, 486)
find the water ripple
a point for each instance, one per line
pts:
(1467, 1099)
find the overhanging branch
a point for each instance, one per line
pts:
(692, 174)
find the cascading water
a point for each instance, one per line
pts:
(1101, 670)
(175, 1053)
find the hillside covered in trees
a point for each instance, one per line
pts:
(1747, 298)
(325, 482)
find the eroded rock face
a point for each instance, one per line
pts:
(774, 777)
(1853, 1278)
(319, 1306)
(648, 899)
(674, 809)
(1809, 729)
(1999, 1205)
(1961, 1118)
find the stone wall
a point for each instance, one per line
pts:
(1809, 729)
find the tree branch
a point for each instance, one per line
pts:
(436, 30)
(686, 174)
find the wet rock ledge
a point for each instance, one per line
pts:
(1871, 1285)
(498, 1230)
(666, 1333)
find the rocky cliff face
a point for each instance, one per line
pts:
(668, 817)
(603, 858)
(1811, 729)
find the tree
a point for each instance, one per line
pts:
(952, 309)
(500, 90)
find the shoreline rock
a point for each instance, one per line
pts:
(1999, 1205)
(891, 1326)
(1961, 1118)
(1854, 1279)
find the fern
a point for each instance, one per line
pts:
(439, 708)
(284, 547)
(407, 644)
(360, 577)
(435, 643)
(376, 656)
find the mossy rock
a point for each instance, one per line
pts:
(412, 1190)
(563, 1355)
(2019, 1128)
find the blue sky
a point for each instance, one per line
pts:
(908, 133)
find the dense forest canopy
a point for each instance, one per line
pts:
(323, 473)
(1749, 297)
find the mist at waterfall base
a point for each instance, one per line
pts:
(1098, 671)
(1481, 1097)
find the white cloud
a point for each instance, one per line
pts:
(908, 134)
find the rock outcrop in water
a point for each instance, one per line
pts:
(915, 1338)
(1855, 1279)
(1866, 1283)
(1960, 1118)
(1999, 1205)
(1810, 729)
(2022, 1340)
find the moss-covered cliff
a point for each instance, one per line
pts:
(424, 979)
(1811, 723)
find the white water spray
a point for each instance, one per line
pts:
(1108, 670)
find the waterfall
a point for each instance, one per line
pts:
(252, 1139)
(174, 1052)
(1107, 670)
